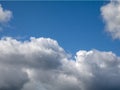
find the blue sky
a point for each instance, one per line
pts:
(75, 25)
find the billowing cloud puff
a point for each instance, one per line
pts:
(99, 70)
(18, 59)
(111, 16)
(41, 64)
(5, 15)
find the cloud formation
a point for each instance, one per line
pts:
(41, 64)
(111, 16)
(5, 15)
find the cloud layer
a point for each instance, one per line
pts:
(111, 16)
(5, 15)
(41, 64)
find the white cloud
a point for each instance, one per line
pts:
(41, 64)
(5, 15)
(111, 16)
(99, 70)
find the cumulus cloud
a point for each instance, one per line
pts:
(111, 16)
(5, 15)
(100, 70)
(41, 64)
(21, 60)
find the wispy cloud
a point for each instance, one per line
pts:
(5, 15)
(111, 16)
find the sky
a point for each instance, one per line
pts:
(59, 45)
(75, 25)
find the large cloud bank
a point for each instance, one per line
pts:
(41, 64)
(111, 16)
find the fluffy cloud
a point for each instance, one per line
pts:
(41, 64)
(111, 16)
(100, 70)
(20, 60)
(5, 15)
